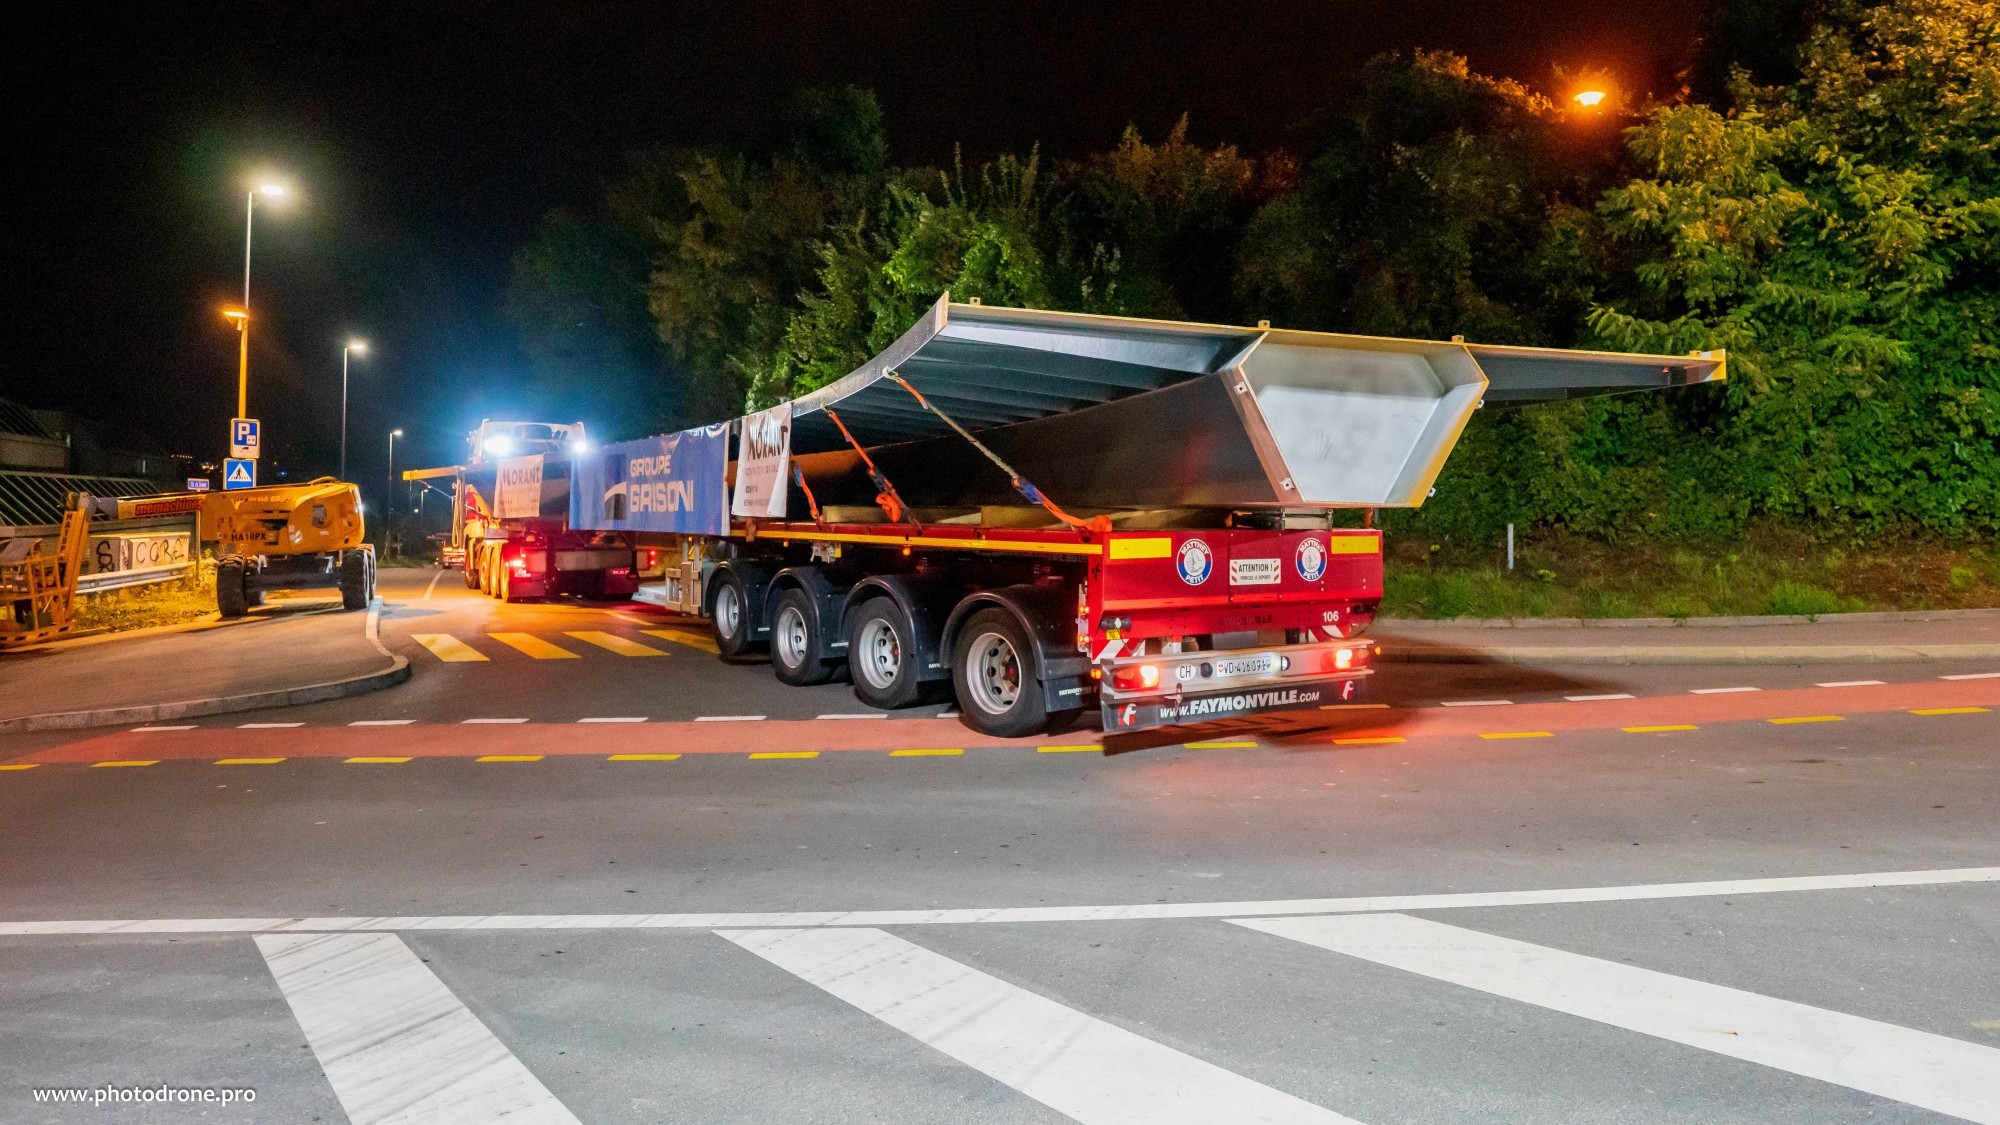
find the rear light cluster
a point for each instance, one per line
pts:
(518, 565)
(1147, 676)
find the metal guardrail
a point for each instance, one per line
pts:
(138, 576)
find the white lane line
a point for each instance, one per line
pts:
(615, 719)
(1932, 1071)
(1071, 1062)
(1721, 690)
(969, 915)
(266, 726)
(381, 722)
(476, 722)
(1973, 676)
(728, 718)
(433, 586)
(1476, 703)
(850, 716)
(1595, 698)
(394, 1042)
(1850, 683)
(185, 726)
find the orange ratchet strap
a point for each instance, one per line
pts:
(885, 493)
(1022, 485)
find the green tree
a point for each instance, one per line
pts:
(1839, 237)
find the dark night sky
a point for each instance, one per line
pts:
(424, 140)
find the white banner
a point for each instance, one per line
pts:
(520, 488)
(764, 464)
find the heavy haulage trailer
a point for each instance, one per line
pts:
(1038, 513)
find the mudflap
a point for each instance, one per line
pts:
(1125, 716)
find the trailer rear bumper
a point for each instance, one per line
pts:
(1200, 687)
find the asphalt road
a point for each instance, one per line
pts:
(1495, 911)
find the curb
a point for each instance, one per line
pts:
(1740, 622)
(397, 672)
(1688, 654)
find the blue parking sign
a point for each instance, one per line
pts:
(239, 474)
(245, 436)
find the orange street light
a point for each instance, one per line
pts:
(1589, 99)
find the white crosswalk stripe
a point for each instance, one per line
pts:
(394, 1042)
(1074, 1063)
(1932, 1071)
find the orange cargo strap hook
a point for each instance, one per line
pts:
(885, 493)
(812, 502)
(1022, 485)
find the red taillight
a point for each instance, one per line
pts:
(518, 565)
(1136, 677)
(1343, 658)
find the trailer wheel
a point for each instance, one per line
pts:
(882, 655)
(229, 588)
(470, 565)
(732, 618)
(798, 649)
(354, 582)
(996, 676)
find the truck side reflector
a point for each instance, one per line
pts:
(1157, 548)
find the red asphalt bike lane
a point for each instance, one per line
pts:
(1296, 730)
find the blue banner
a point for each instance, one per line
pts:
(672, 482)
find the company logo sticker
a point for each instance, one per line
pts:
(1311, 559)
(1195, 562)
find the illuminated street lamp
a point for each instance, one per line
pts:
(355, 347)
(1589, 99)
(389, 501)
(242, 316)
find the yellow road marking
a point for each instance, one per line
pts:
(1808, 719)
(925, 753)
(645, 757)
(365, 761)
(614, 642)
(1518, 734)
(1949, 711)
(107, 765)
(448, 648)
(509, 758)
(684, 637)
(19, 765)
(1661, 729)
(248, 761)
(1068, 749)
(534, 646)
(784, 754)
(1219, 745)
(1383, 741)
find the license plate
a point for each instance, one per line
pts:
(1247, 666)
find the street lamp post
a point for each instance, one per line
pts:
(243, 321)
(389, 500)
(357, 347)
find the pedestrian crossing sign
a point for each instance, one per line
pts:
(239, 474)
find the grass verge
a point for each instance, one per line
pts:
(142, 607)
(1561, 575)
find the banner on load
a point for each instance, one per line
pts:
(764, 464)
(672, 482)
(520, 488)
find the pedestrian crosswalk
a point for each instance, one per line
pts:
(400, 1037)
(569, 644)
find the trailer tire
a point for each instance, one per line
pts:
(882, 655)
(354, 580)
(798, 644)
(230, 597)
(731, 618)
(997, 677)
(470, 565)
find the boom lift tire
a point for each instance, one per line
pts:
(733, 628)
(882, 655)
(356, 585)
(997, 677)
(231, 599)
(798, 644)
